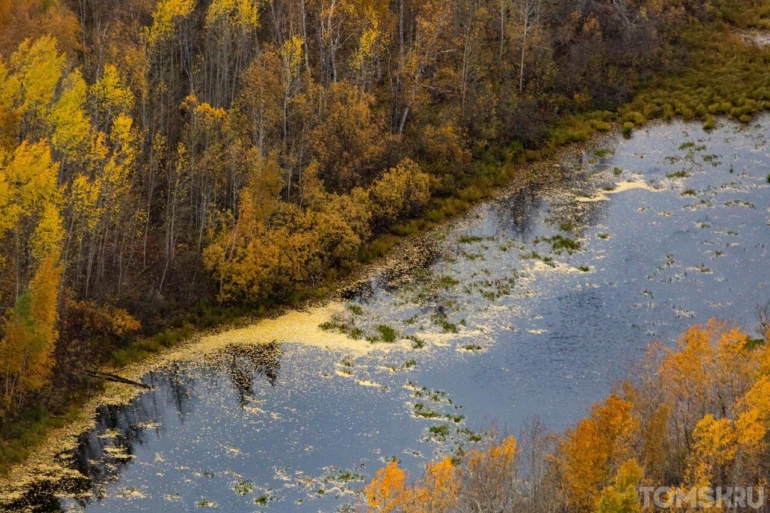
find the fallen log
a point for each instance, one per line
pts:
(117, 379)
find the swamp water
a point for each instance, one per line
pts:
(537, 304)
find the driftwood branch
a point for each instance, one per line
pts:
(117, 379)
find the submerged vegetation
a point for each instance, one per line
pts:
(695, 416)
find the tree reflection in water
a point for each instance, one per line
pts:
(104, 451)
(243, 363)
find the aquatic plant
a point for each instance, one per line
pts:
(387, 334)
(420, 410)
(603, 153)
(439, 432)
(447, 282)
(417, 343)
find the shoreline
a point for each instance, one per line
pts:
(47, 463)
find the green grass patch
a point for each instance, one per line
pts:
(447, 282)
(387, 334)
(417, 342)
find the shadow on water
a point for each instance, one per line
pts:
(103, 452)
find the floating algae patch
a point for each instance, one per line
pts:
(618, 188)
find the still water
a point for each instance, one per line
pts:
(552, 294)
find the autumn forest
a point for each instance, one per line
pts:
(170, 165)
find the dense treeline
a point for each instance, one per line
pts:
(693, 417)
(154, 154)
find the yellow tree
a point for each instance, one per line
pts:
(29, 202)
(348, 142)
(26, 350)
(623, 495)
(388, 491)
(401, 192)
(231, 27)
(592, 451)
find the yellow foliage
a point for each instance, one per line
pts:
(30, 334)
(388, 491)
(241, 14)
(403, 191)
(486, 472)
(715, 447)
(291, 57)
(591, 451)
(38, 68)
(165, 18)
(71, 128)
(348, 142)
(27, 182)
(48, 236)
(439, 489)
(110, 95)
(623, 495)
(9, 116)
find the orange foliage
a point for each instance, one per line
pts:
(592, 451)
(388, 490)
(484, 475)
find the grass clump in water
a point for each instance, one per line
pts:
(439, 432)
(604, 153)
(417, 342)
(356, 309)
(469, 239)
(447, 282)
(678, 174)
(387, 334)
(420, 410)
(559, 242)
(447, 326)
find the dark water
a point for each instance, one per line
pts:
(289, 427)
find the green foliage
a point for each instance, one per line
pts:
(387, 333)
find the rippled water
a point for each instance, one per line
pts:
(296, 428)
